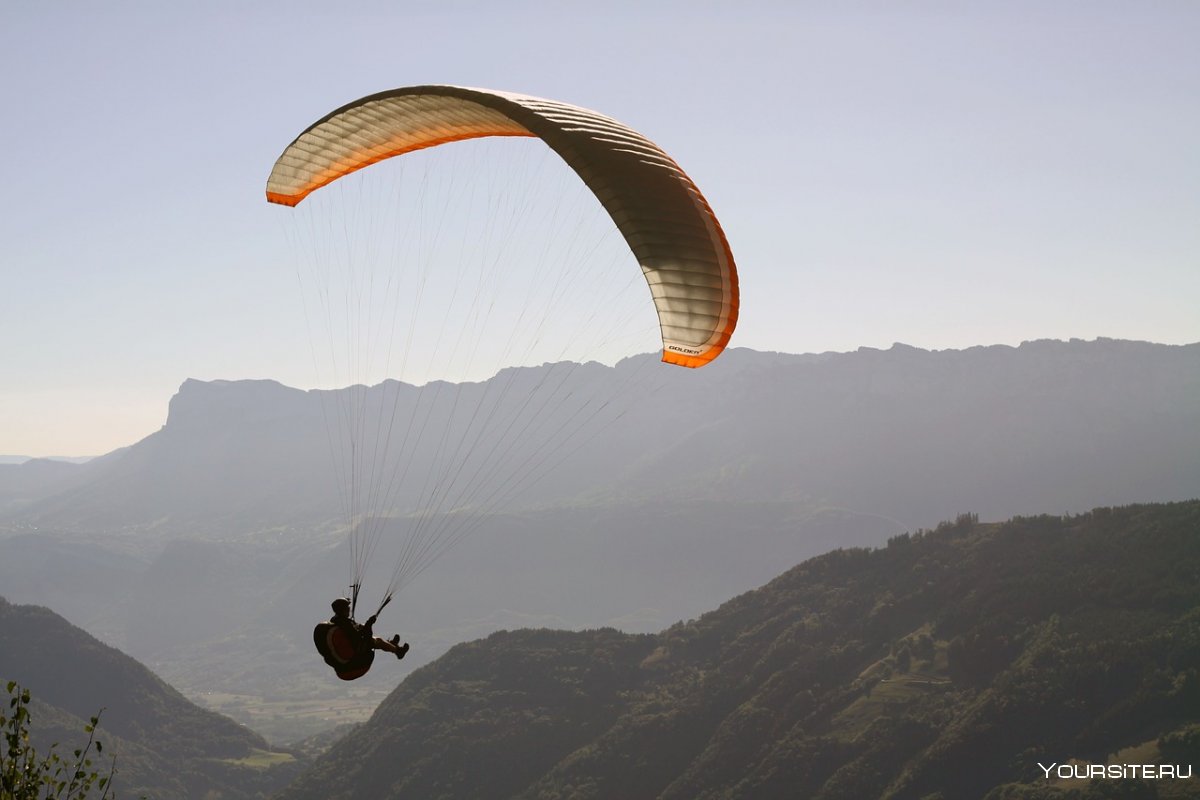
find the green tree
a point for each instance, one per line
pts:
(26, 775)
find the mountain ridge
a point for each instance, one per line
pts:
(947, 663)
(817, 419)
(163, 744)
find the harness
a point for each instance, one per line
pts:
(348, 647)
(350, 654)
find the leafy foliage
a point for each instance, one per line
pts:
(26, 775)
(949, 663)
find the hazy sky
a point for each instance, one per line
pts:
(940, 174)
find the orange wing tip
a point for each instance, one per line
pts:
(692, 361)
(284, 199)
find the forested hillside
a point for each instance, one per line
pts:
(945, 665)
(165, 746)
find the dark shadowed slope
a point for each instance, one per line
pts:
(165, 746)
(950, 661)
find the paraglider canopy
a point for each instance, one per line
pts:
(659, 210)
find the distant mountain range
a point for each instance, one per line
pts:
(949, 664)
(907, 434)
(209, 548)
(22, 459)
(165, 747)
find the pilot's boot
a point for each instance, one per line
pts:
(395, 642)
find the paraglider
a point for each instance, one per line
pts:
(658, 210)
(349, 647)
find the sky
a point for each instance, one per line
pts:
(942, 174)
